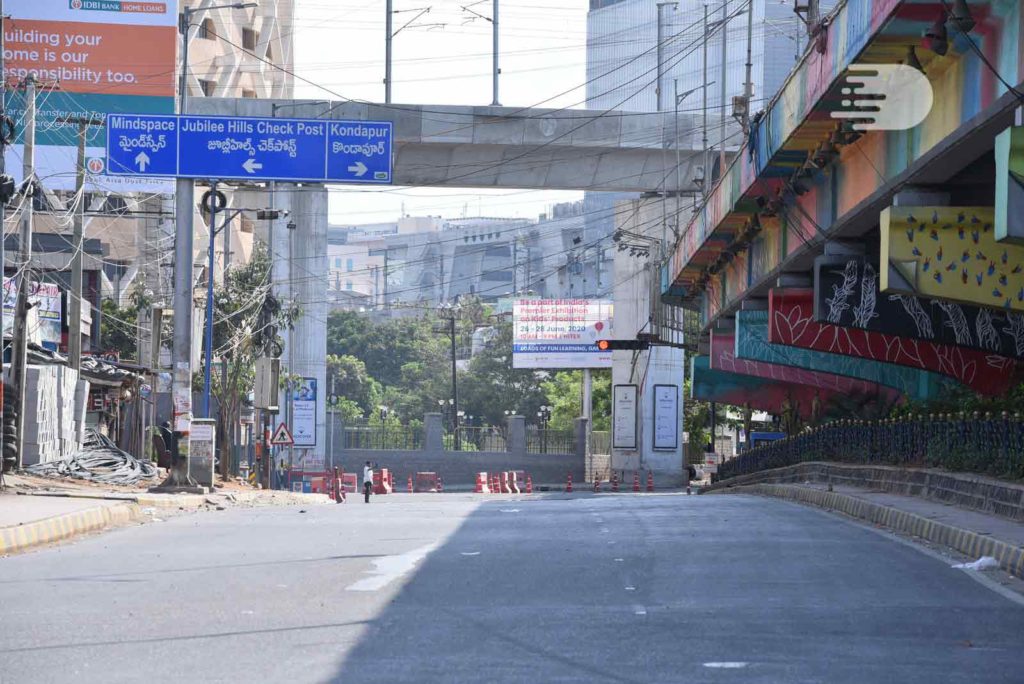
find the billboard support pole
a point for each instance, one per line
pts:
(19, 357)
(588, 393)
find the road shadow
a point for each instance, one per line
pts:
(481, 607)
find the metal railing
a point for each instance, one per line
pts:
(391, 437)
(986, 445)
(473, 438)
(600, 442)
(543, 441)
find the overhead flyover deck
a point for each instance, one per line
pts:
(800, 183)
(515, 147)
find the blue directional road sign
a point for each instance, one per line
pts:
(142, 145)
(244, 148)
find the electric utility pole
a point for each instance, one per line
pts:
(75, 303)
(19, 356)
(724, 70)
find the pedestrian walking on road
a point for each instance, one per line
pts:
(367, 481)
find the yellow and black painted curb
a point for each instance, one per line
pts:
(22, 537)
(1009, 556)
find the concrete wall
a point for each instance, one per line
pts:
(459, 468)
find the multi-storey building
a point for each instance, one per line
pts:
(422, 262)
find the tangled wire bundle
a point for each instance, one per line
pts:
(98, 461)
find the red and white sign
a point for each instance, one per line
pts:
(282, 436)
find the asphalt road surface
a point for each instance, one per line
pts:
(452, 588)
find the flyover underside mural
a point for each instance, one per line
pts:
(752, 343)
(792, 323)
(723, 357)
(773, 396)
(950, 253)
(846, 294)
(963, 87)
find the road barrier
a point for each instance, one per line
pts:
(615, 482)
(482, 486)
(636, 481)
(382, 482)
(426, 482)
(529, 484)
(650, 480)
(568, 484)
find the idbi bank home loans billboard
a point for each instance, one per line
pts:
(560, 333)
(92, 58)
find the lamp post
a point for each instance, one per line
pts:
(544, 416)
(332, 405)
(383, 418)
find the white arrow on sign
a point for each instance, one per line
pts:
(142, 159)
(251, 165)
(359, 168)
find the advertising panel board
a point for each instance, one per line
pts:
(560, 333)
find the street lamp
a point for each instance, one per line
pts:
(383, 417)
(544, 414)
(332, 409)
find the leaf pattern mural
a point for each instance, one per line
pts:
(791, 315)
(943, 322)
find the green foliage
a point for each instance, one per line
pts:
(347, 411)
(118, 329)
(564, 394)
(348, 378)
(386, 347)
(492, 386)
(246, 318)
(964, 400)
(464, 444)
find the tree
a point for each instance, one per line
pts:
(384, 347)
(491, 386)
(119, 326)
(117, 329)
(347, 377)
(564, 394)
(246, 317)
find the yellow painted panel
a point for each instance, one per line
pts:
(951, 253)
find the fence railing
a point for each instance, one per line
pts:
(600, 442)
(550, 441)
(391, 437)
(474, 438)
(988, 445)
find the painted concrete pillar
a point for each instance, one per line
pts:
(516, 435)
(305, 355)
(658, 371)
(433, 433)
(581, 434)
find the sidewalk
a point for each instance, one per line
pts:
(969, 532)
(36, 511)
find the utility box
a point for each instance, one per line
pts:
(202, 445)
(266, 385)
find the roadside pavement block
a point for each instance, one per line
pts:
(22, 537)
(973, 544)
(131, 508)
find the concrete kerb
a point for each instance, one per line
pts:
(972, 544)
(16, 538)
